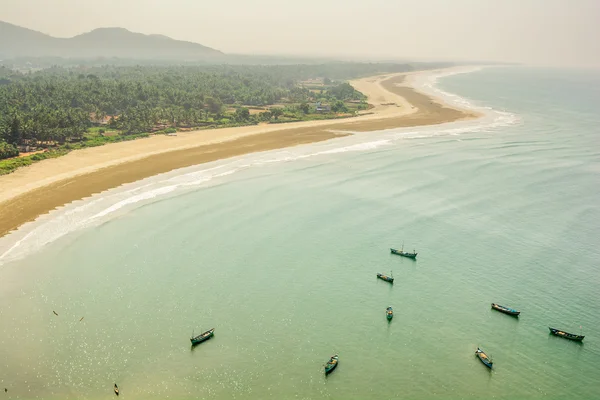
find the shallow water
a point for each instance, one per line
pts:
(281, 258)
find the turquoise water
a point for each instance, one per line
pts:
(281, 259)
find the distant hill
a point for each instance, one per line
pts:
(17, 41)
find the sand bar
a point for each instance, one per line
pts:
(37, 189)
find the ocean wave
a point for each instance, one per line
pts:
(109, 204)
(427, 83)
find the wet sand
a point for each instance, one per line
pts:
(38, 189)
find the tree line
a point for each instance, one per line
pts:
(58, 105)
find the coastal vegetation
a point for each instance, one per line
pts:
(59, 109)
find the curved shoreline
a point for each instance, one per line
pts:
(40, 188)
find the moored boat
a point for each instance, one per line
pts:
(331, 364)
(386, 278)
(389, 313)
(202, 337)
(506, 310)
(566, 335)
(487, 361)
(403, 253)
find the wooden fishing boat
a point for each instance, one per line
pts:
(386, 278)
(506, 310)
(487, 361)
(389, 313)
(331, 364)
(116, 389)
(202, 337)
(403, 253)
(566, 335)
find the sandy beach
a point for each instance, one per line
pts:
(37, 189)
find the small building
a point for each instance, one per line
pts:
(103, 120)
(322, 108)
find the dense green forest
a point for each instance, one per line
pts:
(62, 106)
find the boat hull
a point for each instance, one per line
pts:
(331, 364)
(485, 360)
(404, 254)
(386, 278)
(505, 310)
(566, 335)
(203, 337)
(198, 341)
(389, 313)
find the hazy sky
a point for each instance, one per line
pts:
(547, 32)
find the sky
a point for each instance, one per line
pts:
(536, 32)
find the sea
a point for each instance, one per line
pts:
(279, 251)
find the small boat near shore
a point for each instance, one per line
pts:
(389, 313)
(566, 335)
(403, 253)
(506, 310)
(202, 337)
(386, 278)
(485, 359)
(331, 364)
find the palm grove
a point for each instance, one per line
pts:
(55, 106)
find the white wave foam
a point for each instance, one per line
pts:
(357, 147)
(427, 83)
(106, 205)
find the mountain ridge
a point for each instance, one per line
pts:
(107, 42)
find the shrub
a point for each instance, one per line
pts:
(170, 130)
(8, 150)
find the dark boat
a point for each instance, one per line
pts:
(566, 335)
(202, 337)
(403, 253)
(116, 389)
(331, 364)
(506, 310)
(386, 278)
(487, 361)
(389, 313)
